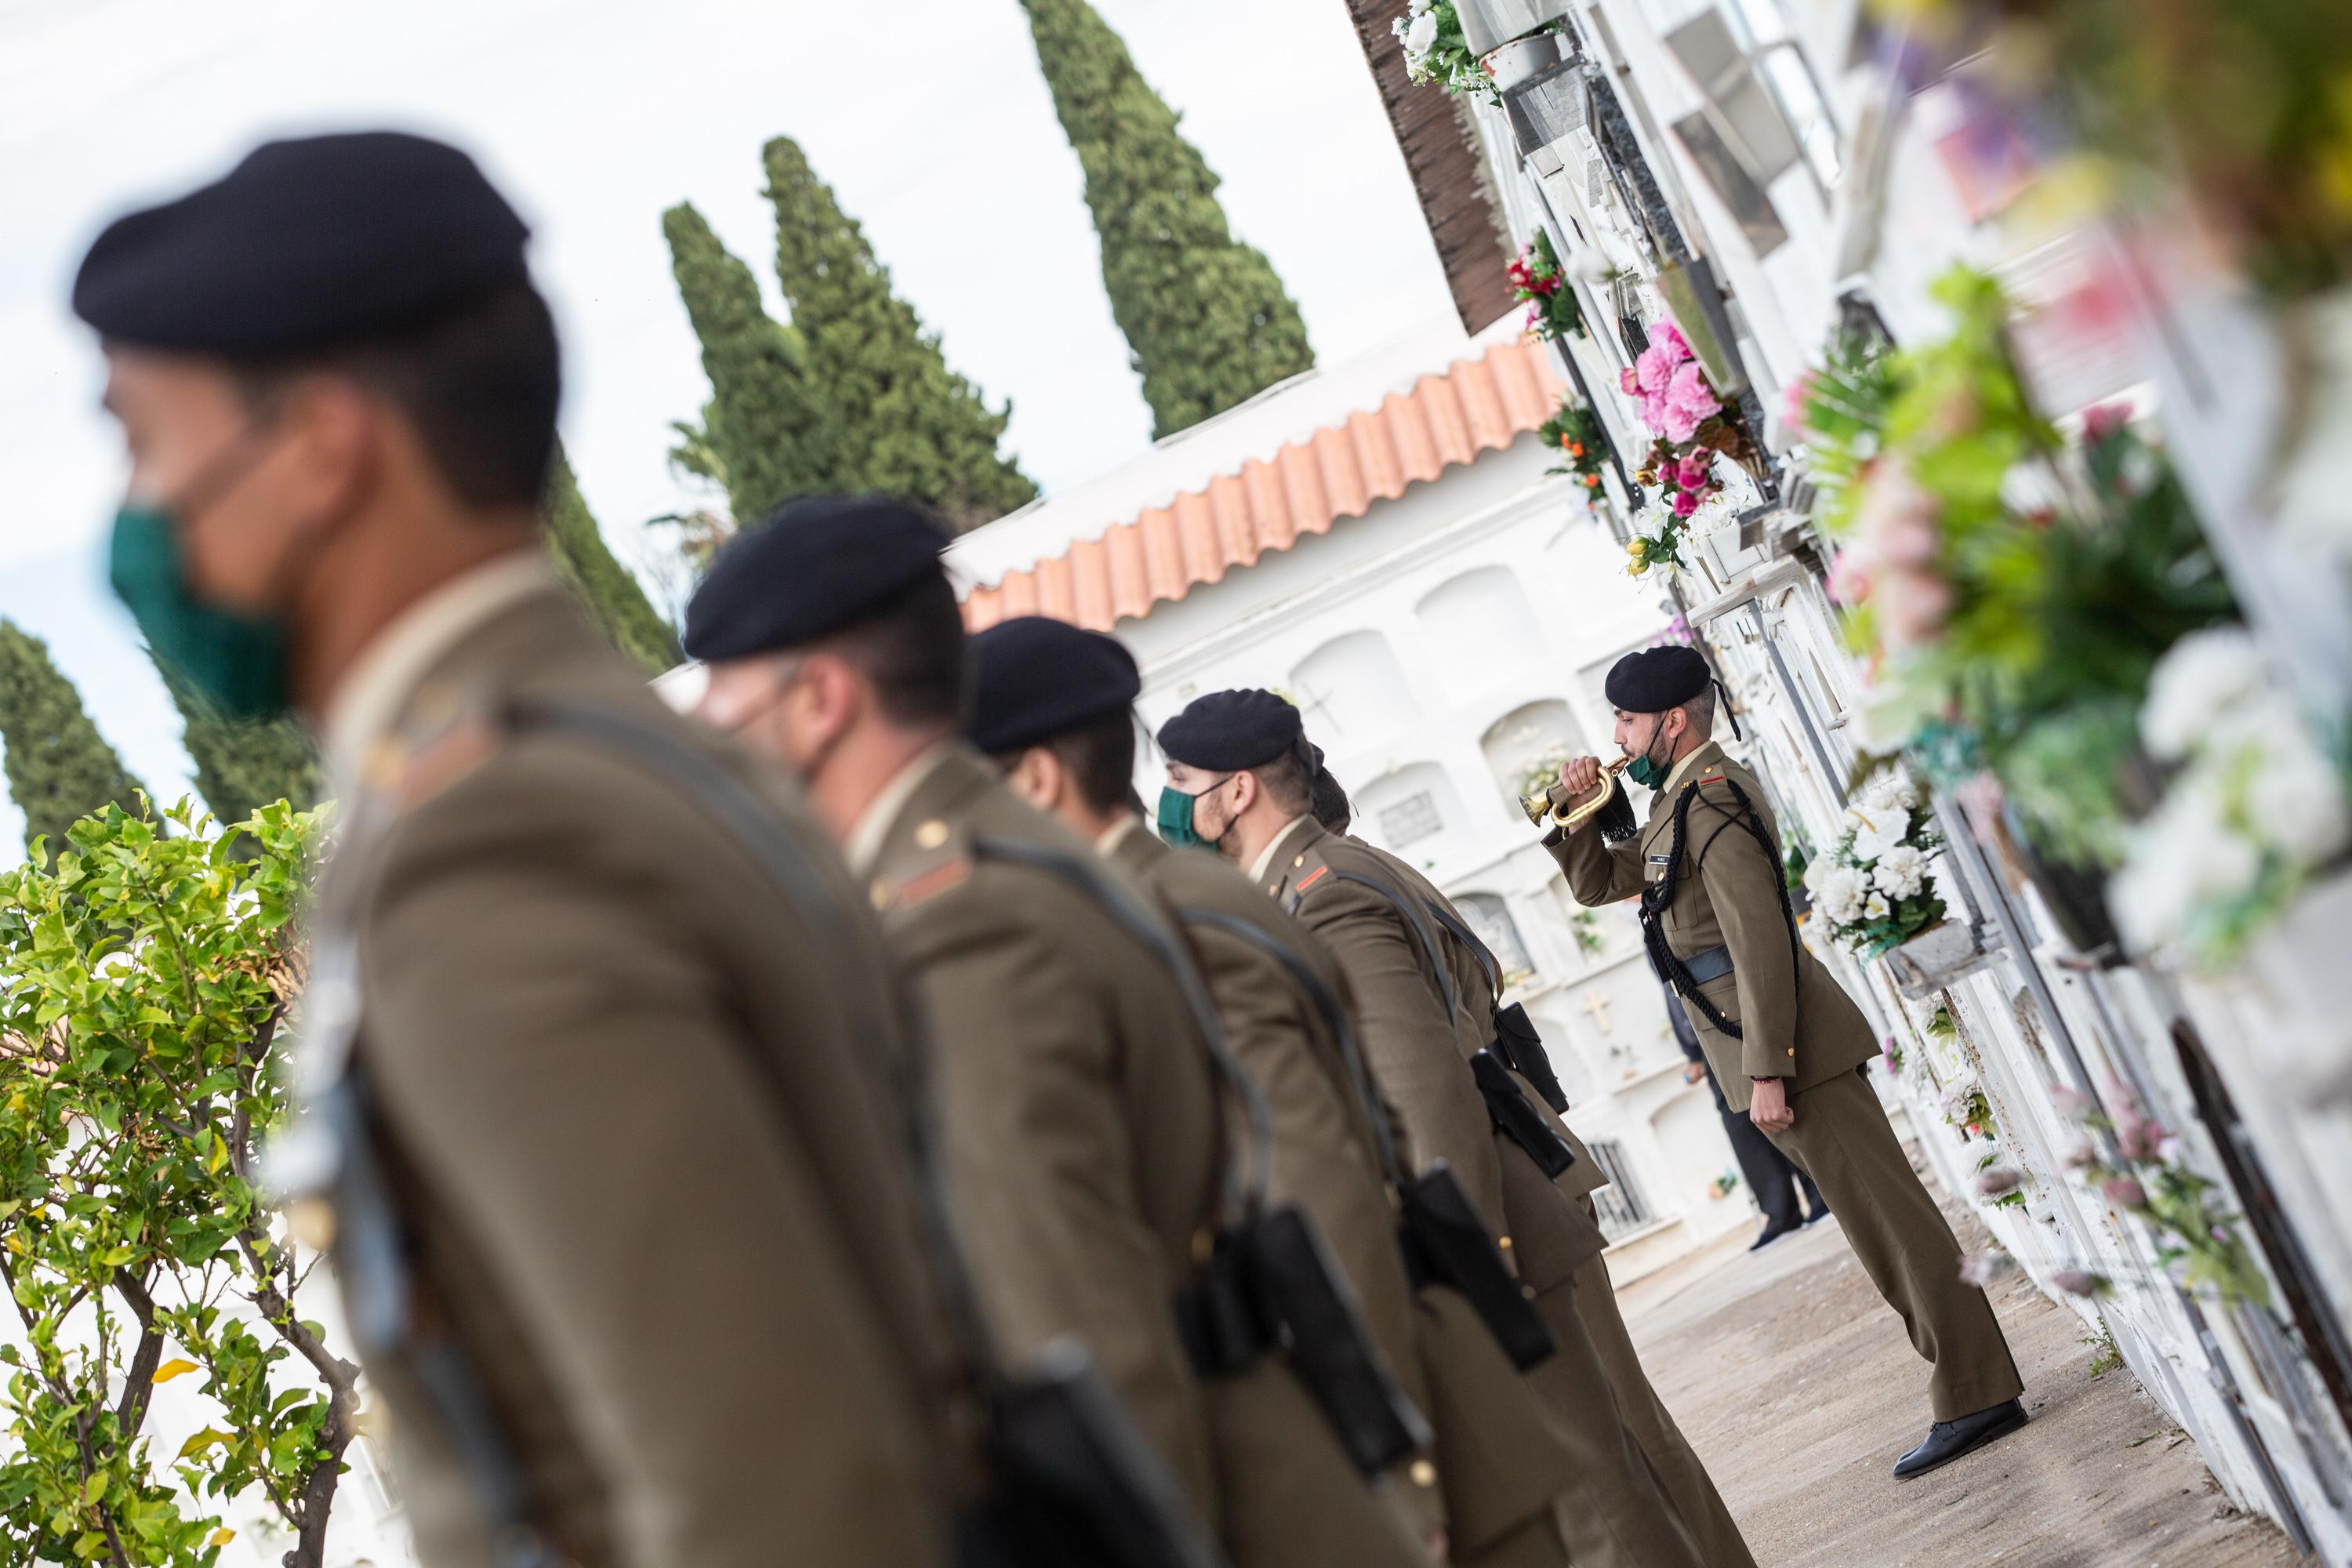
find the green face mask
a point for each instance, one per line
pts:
(239, 664)
(1175, 817)
(1645, 772)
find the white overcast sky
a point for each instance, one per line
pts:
(928, 118)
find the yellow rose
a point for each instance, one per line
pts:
(1637, 546)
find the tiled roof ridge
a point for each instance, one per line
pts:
(1474, 406)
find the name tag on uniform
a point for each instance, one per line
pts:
(1662, 859)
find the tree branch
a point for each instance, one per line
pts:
(139, 1382)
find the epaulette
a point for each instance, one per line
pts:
(441, 739)
(940, 860)
(1307, 869)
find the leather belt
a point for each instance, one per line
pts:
(1714, 963)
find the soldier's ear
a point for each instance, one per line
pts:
(1038, 777)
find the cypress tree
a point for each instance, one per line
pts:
(1206, 320)
(764, 432)
(59, 768)
(608, 590)
(243, 764)
(905, 422)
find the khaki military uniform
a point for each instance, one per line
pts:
(1497, 1509)
(652, 1196)
(1419, 1036)
(1796, 1024)
(1084, 1136)
(1681, 1474)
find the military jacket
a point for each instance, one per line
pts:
(1795, 1022)
(648, 1184)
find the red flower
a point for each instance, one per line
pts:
(1592, 481)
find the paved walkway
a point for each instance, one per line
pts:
(1796, 1384)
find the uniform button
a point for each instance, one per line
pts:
(1298, 861)
(1273, 887)
(879, 893)
(1505, 1243)
(1528, 1291)
(1423, 1473)
(1792, 1050)
(931, 834)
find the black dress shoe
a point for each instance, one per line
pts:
(1818, 1216)
(1772, 1233)
(1948, 1440)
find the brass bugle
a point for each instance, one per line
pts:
(1545, 804)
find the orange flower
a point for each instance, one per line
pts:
(1576, 448)
(1592, 481)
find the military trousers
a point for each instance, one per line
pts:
(1617, 1514)
(1842, 1140)
(1679, 1473)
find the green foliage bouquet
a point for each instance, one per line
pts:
(1575, 433)
(143, 982)
(1435, 49)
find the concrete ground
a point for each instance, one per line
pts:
(1797, 1386)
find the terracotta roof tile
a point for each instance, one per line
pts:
(1477, 405)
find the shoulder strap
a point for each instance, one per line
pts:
(1421, 934)
(1334, 1018)
(1468, 938)
(1247, 1184)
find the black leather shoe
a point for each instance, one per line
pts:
(1948, 1440)
(1772, 1233)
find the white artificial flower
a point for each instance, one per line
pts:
(1890, 792)
(1878, 829)
(1900, 872)
(2185, 856)
(2199, 680)
(1421, 35)
(2294, 799)
(1878, 908)
(1420, 5)
(1840, 894)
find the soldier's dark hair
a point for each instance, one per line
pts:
(1331, 806)
(914, 652)
(1288, 781)
(1099, 757)
(480, 383)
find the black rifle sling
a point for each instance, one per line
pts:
(1516, 1039)
(1087, 1489)
(1658, 895)
(1505, 1106)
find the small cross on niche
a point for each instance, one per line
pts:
(1596, 1007)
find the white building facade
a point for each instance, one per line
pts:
(1447, 644)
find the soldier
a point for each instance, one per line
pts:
(562, 1035)
(1082, 1105)
(1240, 777)
(1054, 708)
(1789, 1047)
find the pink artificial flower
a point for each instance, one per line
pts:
(1981, 1268)
(1691, 474)
(2105, 420)
(2079, 1281)
(1655, 366)
(2123, 1191)
(1793, 398)
(1849, 580)
(1686, 503)
(1667, 335)
(2072, 1104)
(1912, 607)
(1689, 402)
(1905, 541)
(1627, 384)
(2000, 1179)
(2139, 1138)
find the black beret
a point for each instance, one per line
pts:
(306, 245)
(816, 565)
(1039, 678)
(1652, 679)
(1233, 730)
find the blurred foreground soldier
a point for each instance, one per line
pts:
(1788, 1046)
(568, 1055)
(1054, 708)
(1240, 778)
(1081, 1100)
(1769, 1174)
